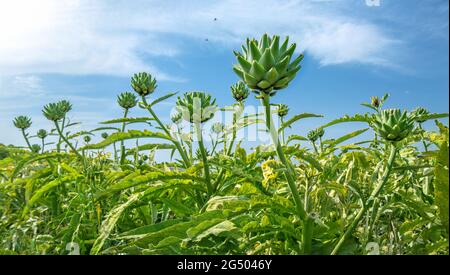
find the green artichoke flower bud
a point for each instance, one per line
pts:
(266, 66)
(176, 117)
(196, 107)
(54, 111)
(42, 133)
(87, 139)
(217, 128)
(375, 101)
(419, 114)
(65, 106)
(144, 157)
(22, 122)
(143, 83)
(315, 134)
(239, 91)
(105, 135)
(127, 100)
(35, 148)
(392, 124)
(283, 110)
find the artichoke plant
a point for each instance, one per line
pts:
(127, 100)
(42, 133)
(196, 107)
(22, 122)
(143, 83)
(392, 124)
(176, 117)
(239, 91)
(283, 110)
(419, 114)
(266, 65)
(56, 111)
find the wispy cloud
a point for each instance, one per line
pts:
(119, 38)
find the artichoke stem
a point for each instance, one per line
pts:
(67, 141)
(26, 139)
(372, 197)
(198, 129)
(122, 145)
(43, 144)
(290, 176)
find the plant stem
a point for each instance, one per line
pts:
(43, 144)
(186, 160)
(372, 197)
(58, 145)
(26, 139)
(67, 141)
(315, 148)
(198, 130)
(122, 145)
(289, 173)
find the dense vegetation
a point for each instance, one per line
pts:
(65, 194)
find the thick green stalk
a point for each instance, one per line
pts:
(43, 144)
(67, 141)
(187, 162)
(198, 130)
(315, 147)
(122, 145)
(372, 197)
(58, 145)
(290, 176)
(26, 139)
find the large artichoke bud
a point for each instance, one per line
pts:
(265, 65)
(283, 110)
(42, 133)
(196, 107)
(392, 124)
(127, 100)
(217, 127)
(143, 83)
(239, 91)
(55, 111)
(315, 134)
(22, 122)
(419, 114)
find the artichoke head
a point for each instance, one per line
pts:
(22, 122)
(42, 133)
(196, 107)
(217, 128)
(127, 100)
(56, 111)
(266, 65)
(105, 135)
(239, 91)
(35, 148)
(315, 134)
(87, 139)
(392, 124)
(176, 117)
(143, 83)
(283, 110)
(419, 114)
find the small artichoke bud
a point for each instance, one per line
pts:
(143, 83)
(22, 122)
(419, 114)
(392, 124)
(217, 128)
(105, 135)
(375, 101)
(127, 100)
(176, 118)
(35, 148)
(313, 135)
(265, 65)
(144, 157)
(42, 133)
(196, 107)
(87, 139)
(320, 132)
(283, 110)
(239, 91)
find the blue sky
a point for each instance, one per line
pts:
(86, 51)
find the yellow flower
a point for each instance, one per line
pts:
(268, 172)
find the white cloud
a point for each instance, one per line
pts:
(119, 38)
